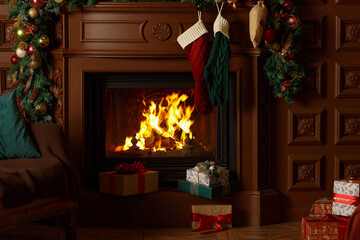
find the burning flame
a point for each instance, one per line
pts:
(166, 126)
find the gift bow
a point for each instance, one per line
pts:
(135, 167)
(206, 221)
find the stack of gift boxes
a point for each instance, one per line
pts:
(204, 180)
(328, 218)
(207, 180)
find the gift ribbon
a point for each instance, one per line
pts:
(342, 221)
(194, 187)
(135, 167)
(346, 199)
(207, 221)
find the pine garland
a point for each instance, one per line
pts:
(283, 31)
(31, 63)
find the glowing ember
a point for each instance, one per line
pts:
(165, 127)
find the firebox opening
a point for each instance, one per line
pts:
(150, 117)
(157, 122)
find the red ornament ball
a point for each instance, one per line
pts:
(14, 59)
(288, 5)
(269, 34)
(37, 3)
(31, 50)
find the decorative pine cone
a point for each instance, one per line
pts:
(12, 3)
(34, 94)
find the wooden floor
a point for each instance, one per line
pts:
(282, 231)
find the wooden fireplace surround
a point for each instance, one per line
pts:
(141, 37)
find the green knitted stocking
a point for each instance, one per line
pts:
(217, 70)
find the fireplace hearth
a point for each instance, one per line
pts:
(151, 117)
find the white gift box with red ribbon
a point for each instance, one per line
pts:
(346, 197)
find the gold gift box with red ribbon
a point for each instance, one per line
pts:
(329, 227)
(211, 217)
(135, 179)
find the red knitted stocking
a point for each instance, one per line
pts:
(198, 55)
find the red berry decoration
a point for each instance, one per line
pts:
(14, 59)
(288, 5)
(269, 34)
(37, 3)
(31, 50)
(291, 20)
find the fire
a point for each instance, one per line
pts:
(165, 126)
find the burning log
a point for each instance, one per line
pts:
(150, 142)
(168, 143)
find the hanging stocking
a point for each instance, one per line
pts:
(217, 69)
(195, 43)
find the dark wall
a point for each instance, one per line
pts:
(316, 139)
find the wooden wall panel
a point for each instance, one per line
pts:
(304, 172)
(348, 33)
(347, 126)
(305, 126)
(347, 166)
(347, 81)
(314, 37)
(330, 56)
(313, 82)
(6, 34)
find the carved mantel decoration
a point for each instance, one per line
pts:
(161, 31)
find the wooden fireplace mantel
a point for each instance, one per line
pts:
(141, 37)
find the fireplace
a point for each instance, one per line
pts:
(118, 43)
(151, 117)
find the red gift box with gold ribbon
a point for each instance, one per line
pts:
(134, 179)
(211, 218)
(329, 227)
(321, 207)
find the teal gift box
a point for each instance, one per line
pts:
(214, 191)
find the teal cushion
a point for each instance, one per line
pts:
(15, 141)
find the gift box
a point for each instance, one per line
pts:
(128, 184)
(206, 173)
(329, 227)
(346, 197)
(205, 217)
(205, 191)
(321, 207)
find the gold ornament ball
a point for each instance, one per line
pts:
(20, 34)
(34, 65)
(44, 41)
(35, 61)
(33, 13)
(40, 109)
